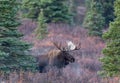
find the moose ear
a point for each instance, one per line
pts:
(70, 45)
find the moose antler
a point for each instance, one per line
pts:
(70, 46)
(59, 46)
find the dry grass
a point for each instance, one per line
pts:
(83, 70)
(57, 76)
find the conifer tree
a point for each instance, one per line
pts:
(31, 8)
(53, 10)
(13, 56)
(57, 11)
(108, 11)
(94, 21)
(111, 59)
(41, 30)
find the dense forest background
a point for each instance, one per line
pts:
(28, 29)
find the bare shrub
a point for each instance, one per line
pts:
(86, 66)
(91, 65)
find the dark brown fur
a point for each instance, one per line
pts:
(55, 58)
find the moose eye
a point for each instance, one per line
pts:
(73, 60)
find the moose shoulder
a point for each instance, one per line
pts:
(59, 57)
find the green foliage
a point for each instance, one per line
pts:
(111, 59)
(53, 10)
(31, 8)
(57, 11)
(94, 21)
(108, 8)
(13, 55)
(72, 11)
(41, 30)
(101, 10)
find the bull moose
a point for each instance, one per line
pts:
(59, 57)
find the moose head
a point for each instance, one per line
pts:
(59, 57)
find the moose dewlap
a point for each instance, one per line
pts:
(58, 58)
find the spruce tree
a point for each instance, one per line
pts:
(31, 8)
(57, 11)
(94, 21)
(108, 8)
(41, 30)
(13, 51)
(53, 10)
(111, 59)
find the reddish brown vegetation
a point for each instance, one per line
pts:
(86, 57)
(83, 70)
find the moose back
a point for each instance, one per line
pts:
(59, 57)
